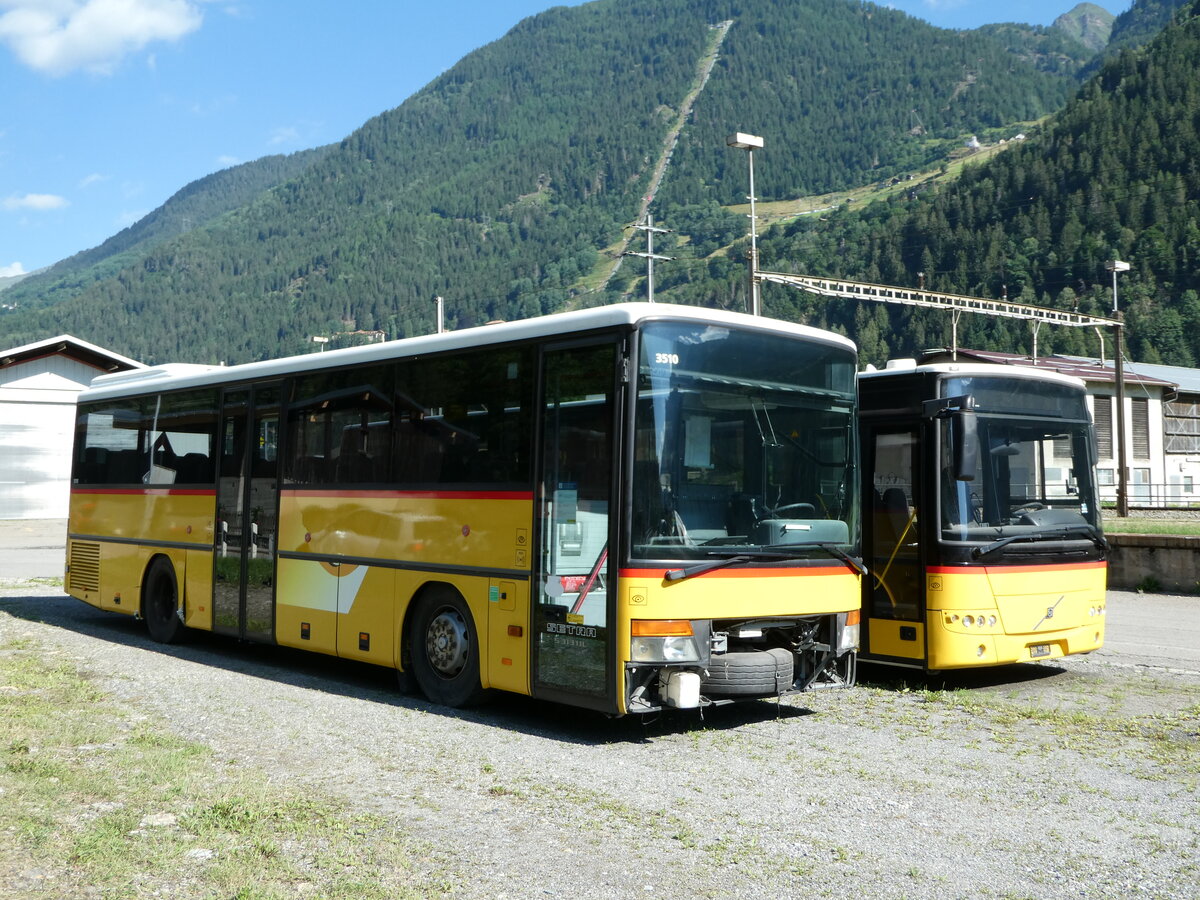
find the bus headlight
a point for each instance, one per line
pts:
(662, 641)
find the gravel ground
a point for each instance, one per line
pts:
(1073, 779)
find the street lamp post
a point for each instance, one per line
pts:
(1115, 266)
(750, 143)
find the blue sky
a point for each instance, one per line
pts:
(111, 106)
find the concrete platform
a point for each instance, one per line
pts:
(32, 548)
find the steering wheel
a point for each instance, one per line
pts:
(1031, 506)
(799, 507)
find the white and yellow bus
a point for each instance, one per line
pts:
(624, 508)
(982, 532)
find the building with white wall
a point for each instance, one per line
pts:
(39, 383)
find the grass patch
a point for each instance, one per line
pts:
(98, 800)
(1131, 525)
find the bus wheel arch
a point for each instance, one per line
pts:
(442, 649)
(160, 601)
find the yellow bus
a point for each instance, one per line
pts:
(625, 508)
(982, 529)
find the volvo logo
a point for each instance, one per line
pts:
(1049, 612)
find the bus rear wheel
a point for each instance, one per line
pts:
(445, 649)
(160, 603)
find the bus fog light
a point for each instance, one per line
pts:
(980, 651)
(992, 621)
(968, 620)
(848, 639)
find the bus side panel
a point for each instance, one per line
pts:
(1016, 613)
(121, 568)
(198, 590)
(508, 635)
(306, 604)
(366, 625)
(412, 535)
(153, 515)
(896, 638)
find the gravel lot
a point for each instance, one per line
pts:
(1073, 779)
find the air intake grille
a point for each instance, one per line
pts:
(85, 566)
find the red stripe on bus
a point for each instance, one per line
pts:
(773, 572)
(418, 495)
(1039, 567)
(148, 491)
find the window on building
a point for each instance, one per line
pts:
(1141, 428)
(1102, 413)
(1181, 426)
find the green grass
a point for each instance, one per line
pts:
(1132, 525)
(98, 799)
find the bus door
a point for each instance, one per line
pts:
(575, 576)
(895, 591)
(247, 515)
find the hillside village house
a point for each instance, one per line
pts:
(39, 383)
(1162, 422)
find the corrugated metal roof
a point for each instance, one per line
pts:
(1090, 370)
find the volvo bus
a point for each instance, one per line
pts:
(982, 523)
(624, 509)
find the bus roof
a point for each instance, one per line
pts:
(175, 376)
(990, 370)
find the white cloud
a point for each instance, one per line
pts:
(94, 178)
(36, 202)
(9, 271)
(60, 36)
(283, 135)
(225, 161)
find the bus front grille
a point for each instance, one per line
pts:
(84, 564)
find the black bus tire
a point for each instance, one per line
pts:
(444, 648)
(160, 603)
(758, 673)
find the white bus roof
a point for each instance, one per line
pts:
(989, 370)
(176, 376)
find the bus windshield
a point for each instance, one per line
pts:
(1033, 479)
(744, 444)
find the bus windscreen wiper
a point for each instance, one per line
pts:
(1084, 529)
(829, 547)
(774, 551)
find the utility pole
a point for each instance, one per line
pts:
(1115, 266)
(749, 143)
(650, 256)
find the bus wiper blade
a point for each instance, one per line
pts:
(771, 551)
(1063, 531)
(829, 547)
(701, 568)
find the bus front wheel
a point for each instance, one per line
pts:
(160, 603)
(445, 649)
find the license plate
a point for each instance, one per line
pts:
(1036, 651)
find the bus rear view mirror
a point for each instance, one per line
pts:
(966, 444)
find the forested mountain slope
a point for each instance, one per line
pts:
(195, 206)
(1113, 175)
(500, 184)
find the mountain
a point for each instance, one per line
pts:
(198, 204)
(1087, 23)
(507, 183)
(1111, 176)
